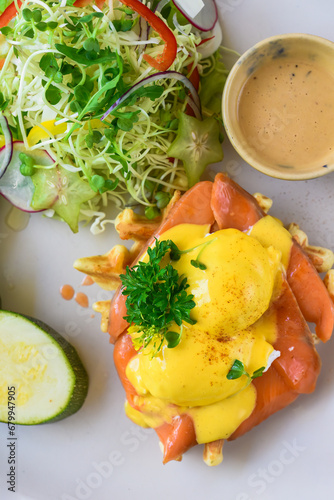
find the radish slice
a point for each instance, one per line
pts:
(190, 8)
(160, 76)
(14, 186)
(203, 14)
(209, 47)
(6, 151)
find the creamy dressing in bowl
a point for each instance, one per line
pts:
(278, 106)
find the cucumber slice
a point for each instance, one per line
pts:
(50, 380)
(17, 188)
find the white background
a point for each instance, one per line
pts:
(98, 453)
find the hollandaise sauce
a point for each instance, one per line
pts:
(233, 293)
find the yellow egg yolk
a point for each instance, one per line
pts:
(233, 321)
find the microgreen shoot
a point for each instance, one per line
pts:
(176, 253)
(101, 185)
(27, 14)
(27, 167)
(162, 198)
(156, 297)
(93, 138)
(152, 212)
(238, 370)
(49, 65)
(6, 30)
(53, 94)
(34, 22)
(123, 24)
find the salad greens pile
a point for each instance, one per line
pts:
(63, 69)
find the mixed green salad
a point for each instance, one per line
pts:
(106, 103)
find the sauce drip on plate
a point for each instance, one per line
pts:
(81, 299)
(87, 281)
(67, 292)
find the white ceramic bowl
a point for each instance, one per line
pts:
(301, 48)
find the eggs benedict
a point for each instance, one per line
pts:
(210, 321)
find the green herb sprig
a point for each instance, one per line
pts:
(156, 297)
(238, 370)
(176, 253)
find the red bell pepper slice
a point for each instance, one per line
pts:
(166, 59)
(204, 41)
(83, 3)
(9, 14)
(194, 77)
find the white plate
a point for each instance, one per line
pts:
(98, 453)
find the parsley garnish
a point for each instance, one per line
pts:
(238, 370)
(156, 297)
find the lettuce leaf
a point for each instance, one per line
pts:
(212, 86)
(4, 4)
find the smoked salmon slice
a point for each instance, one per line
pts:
(194, 207)
(177, 437)
(272, 395)
(234, 207)
(123, 353)
(299, 363)
(312, 295)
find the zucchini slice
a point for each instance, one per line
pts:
(49, 378)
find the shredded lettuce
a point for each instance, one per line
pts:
(66, 66)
